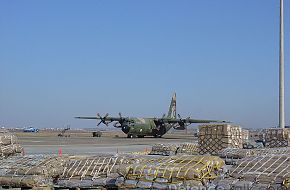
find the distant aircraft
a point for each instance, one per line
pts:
(156, 127)
(30, 130)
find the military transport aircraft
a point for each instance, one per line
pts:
(156, 127)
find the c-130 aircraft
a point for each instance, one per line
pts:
(156, 127)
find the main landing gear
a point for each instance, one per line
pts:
(134, 136)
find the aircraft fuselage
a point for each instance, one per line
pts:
(140, 127)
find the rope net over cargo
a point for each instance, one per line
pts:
(8, 144)
(175, 168)
(101, 170)
(215, 137)
(93, 167)
(170, 149)
(277, 137)
(242, 153)
(263, 169)
(30, 171)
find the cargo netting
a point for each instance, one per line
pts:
(268, 169)
(236, 153)
(9, 144)
(216, 137)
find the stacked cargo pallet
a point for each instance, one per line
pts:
(94, 171)
(164, 149)
(188, 148)
(8, 144)
(277, 137)
(245, 135)
(235, 153)
(109, 171)
(30, 171)
(271, 170)
(165, 172)
(65, 171)
(170, 149)
(215, 137)
(232, 183)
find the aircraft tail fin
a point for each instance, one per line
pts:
(172, 108)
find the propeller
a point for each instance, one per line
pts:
(119, 123)
(103, 119)
(182, 122)
(122, 119)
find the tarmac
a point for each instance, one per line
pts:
(82, 143)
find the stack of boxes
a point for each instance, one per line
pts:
(8, 144)
(245, 135)
(277, 137)
(215, 137)
(164, 149)
(188, 148)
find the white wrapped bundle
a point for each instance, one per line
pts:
(8, 144)
(7, 139)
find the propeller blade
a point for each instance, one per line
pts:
(179, 116)
(103, 119)
(99, 123)
(120, 115)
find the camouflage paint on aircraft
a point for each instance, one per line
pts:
(156, 127)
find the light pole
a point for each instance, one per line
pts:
(281, 69)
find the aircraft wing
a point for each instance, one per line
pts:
(106, 119)
(204, 121)
(188, 121)
(181, 124)
(110, 119)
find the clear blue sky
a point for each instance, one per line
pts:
(61, 59)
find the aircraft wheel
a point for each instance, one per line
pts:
(157, 136)
(129, 136)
